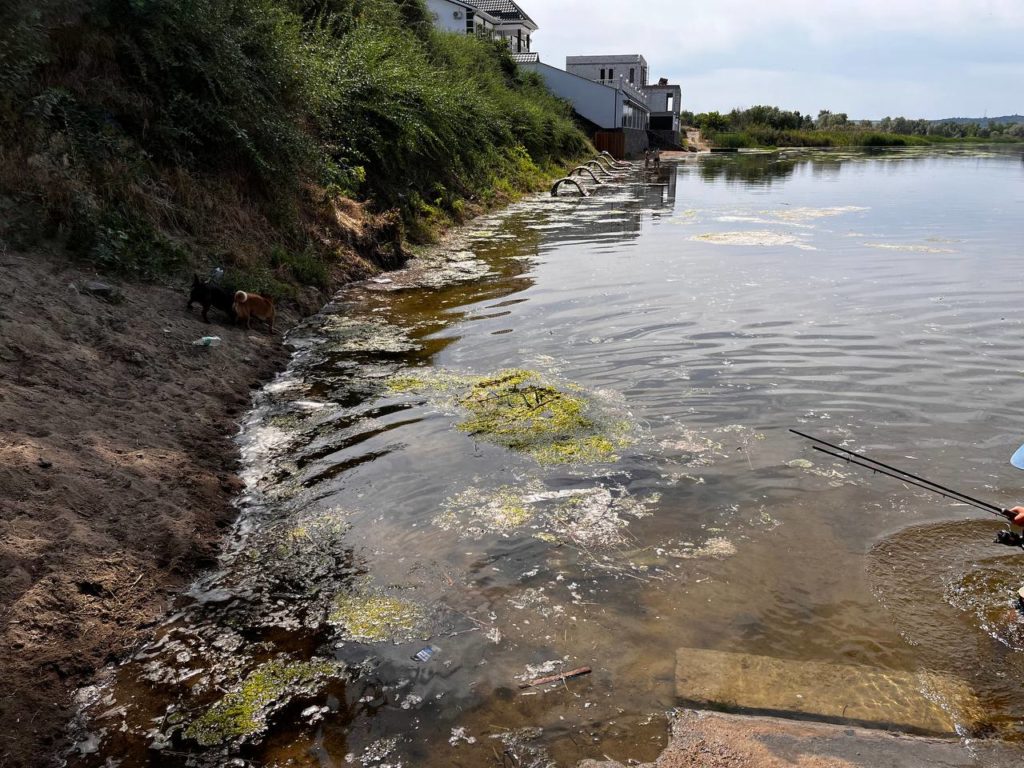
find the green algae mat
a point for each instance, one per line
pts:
(526, 412)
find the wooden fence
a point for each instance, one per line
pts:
(613, 142)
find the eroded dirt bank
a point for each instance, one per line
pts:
(116, 475)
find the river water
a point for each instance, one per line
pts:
(657, 339)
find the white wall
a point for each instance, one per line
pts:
(444, 13)
(590, 67)
(600, 104)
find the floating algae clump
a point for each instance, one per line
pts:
(377, 618)
(521, 411)
(475, 512)
(586, 516)
(244, 712)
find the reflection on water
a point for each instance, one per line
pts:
(406, 534)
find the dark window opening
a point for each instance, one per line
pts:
(602, 73)
(632, 75)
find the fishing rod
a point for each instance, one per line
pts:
(902, 475)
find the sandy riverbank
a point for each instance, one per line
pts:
(117, 473)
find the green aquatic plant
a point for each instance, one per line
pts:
(428, 380)
(245, 711)
(520, 410)
(376, 618)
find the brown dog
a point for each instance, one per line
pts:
(250, 305)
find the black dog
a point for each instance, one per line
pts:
(208, 295)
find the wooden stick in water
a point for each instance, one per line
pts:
(557, 678)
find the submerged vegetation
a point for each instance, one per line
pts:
(521, 411)
(290, 140)
(766, 126)
(376, 618)
(244, 712)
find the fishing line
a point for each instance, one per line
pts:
(882, 468)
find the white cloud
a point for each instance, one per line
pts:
(730, 52)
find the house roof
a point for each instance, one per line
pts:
(506, 10)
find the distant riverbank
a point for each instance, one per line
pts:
(769, 138)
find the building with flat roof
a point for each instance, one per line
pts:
(610, 69)
(663, 100)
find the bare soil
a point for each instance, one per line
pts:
(117, 471)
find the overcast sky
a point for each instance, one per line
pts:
(870, 58)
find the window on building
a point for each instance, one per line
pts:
(611, 74)
(632, 75)
(602, 73)
(668, 102)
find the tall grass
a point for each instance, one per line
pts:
(149, 131)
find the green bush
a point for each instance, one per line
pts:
(133, 111)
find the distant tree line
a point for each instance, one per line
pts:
(766, 118)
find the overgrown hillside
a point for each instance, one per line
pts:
(153, 135)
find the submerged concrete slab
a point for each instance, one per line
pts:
(914, 702)
(718, 740)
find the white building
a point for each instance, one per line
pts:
(501, 19)
(611, 70)
(460, 16)
(513, 24)
(664, 101)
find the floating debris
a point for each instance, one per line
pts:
(834, 476)
(475, 512)
(762, 237)
(347, 334)
(803, 215)
(521, 748)
(376, 753)
(244, 712)
(909, 247)
(717, 548)
(594, 516)
(560, 677)
(459, 735)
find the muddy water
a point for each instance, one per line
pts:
(562, 441)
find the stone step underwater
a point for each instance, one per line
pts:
(914, 702)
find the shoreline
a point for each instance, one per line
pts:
(118, 474)
(118, 468)
(138, 343)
